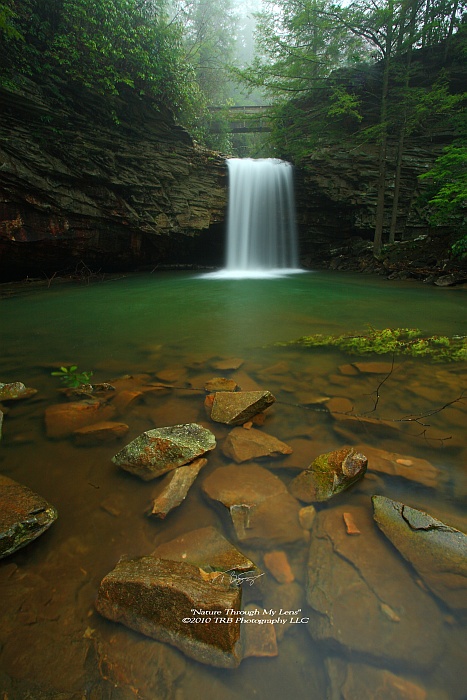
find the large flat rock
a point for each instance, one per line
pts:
(437, 551)
(243, 445)
(171, 602)
(156, 452)
(24, 516)
(363, 598)
(401, 466)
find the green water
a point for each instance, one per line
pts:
(52, 640)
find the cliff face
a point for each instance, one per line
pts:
(75, 186)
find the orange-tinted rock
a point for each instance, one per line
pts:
(24, 515)
(63, 419)
(350, 524)
(174, 488)
(106, 431)
(244, 445)
(403, 466)
(160, 598)
(278, 564)
(348, 370)
(339, 405)
(246, 485)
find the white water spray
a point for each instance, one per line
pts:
(261, 229)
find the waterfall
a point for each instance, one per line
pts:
(261, 229)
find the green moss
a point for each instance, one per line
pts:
(393, 341)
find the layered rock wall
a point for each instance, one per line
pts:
(80, 185)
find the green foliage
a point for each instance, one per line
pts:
(7, 27)
(70, 377)
(448, 179)
(459, 249)
(394, 341)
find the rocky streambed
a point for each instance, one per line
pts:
(239, 515)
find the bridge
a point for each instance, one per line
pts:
(245, 119)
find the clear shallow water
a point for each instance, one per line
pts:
(51, 637)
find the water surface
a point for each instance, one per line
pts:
(52, 641)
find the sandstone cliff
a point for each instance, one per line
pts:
(78, 184)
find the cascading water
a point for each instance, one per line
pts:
(261, 229)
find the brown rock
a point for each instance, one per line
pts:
(348, 585)
(205, 548)
(63, 419)
(278, 564)
(339, 405)
(158, 451)
(97, 433)
(246, 485)
(236, 408)
(349, 681)
(231, 363)
(374, 367)
(15, 391)
(170, 601)
(348, 370)
(329, 474)
(220, 384)
(243, 445)
(350, 524)
(126, 398)
(258, 640)
(174, 488)
(306, 516)
(403, 466)
(24, 516)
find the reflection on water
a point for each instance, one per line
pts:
(53, 644)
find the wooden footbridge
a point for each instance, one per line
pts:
(245, 119)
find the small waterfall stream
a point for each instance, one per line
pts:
(261, 229)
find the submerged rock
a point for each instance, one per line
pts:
(63, 419)
(363, 598)
(349, 681)
(24, 516)
(156, 452)
(437, 552)
(95, 434)
(15, 391)
(263, 513)
(328, 475)
(1, 423)
(403, 466)
(172, 602)
(237, 407)
(205, 548)
(243, 445)
(221, 384)
(175, 487)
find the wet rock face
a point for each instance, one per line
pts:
(175, 487)
(158, 451)
(157, 192)
(363, 598)
(328, 475)
(159, 598)
(24, 516)
(438, 552)
(15, 391)
(236, 408)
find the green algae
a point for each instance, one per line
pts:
(394, 341)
